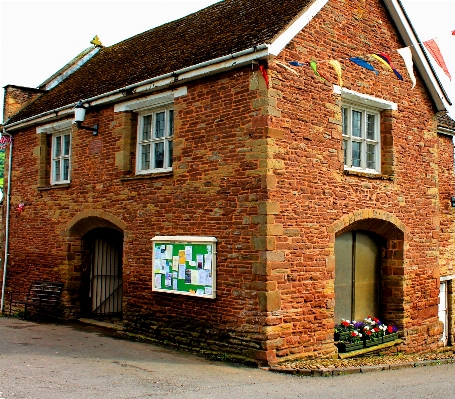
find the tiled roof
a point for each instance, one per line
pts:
(446, 122)
(221, 29)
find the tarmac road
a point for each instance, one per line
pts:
(74, 361)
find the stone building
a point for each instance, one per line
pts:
(324, 198)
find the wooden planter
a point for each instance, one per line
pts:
(344, 347)
(371, 342)
(343, 336)
(390, 337)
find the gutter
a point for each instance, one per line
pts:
(8, 196)
(192, 72)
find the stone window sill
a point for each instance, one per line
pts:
(369, 175)
(147, 176)
(54, 186)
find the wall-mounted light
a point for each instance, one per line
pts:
(452, 201)
(79, 117)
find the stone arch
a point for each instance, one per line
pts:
(90, 219)
(380, 222)
(392, 268)
(76, 254)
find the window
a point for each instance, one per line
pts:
(61, 157)
(368, 145)
(155, 135)
(361, 138)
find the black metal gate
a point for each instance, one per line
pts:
(106, 284)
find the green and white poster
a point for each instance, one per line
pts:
(185, 265)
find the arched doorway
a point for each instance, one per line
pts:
(94, 263)
(373, 242)
(102, 287)
(357, 275)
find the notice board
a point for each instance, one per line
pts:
(185, 265)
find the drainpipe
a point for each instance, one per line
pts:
(8, 195)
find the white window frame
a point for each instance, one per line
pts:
(367, 104)
(61, 157)
(364, 140)
(55, 129)
(167, 139)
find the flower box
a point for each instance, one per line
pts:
(342, 336)
(390, 337)
(372, 342)
(344, 347)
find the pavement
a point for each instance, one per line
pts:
(81, 361)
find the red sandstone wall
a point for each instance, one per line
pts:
(314, 194)
(446, 183)
(214, 190)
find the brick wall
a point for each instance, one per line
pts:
(316, 195)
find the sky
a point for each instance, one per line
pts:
(37, 38)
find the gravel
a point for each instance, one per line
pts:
(444, 354)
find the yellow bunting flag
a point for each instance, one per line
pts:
(337, 66)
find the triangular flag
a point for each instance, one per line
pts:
(433, 49)
(364, 64)
(286, 67)
(314, 67)
(406, 54)
(386, 59)
(264, 74)
(381, 60)
(453, 33)
(298, 64)
(337, 66)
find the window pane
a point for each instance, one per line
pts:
(145, 157)
(371, 156)
(345, 151)
(171, 122)
(159, 155)
(356, 154)
(169, 155)
(66, 169)
(147, 127)
(66, 144)
(57, 176)
(58, 146)
(159, 124)
(356, 123)
(370, 127)
(344, 117)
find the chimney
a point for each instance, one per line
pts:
(16, 98)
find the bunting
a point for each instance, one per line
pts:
(286, 67)
(363, 64)
(385, 60)
(314, 67)
(337, 66)
(4, 141)
(264, 74)
(433, 49)
(382, 57)
(406, 54)
(298, 64)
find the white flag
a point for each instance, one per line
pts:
(407, 57)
